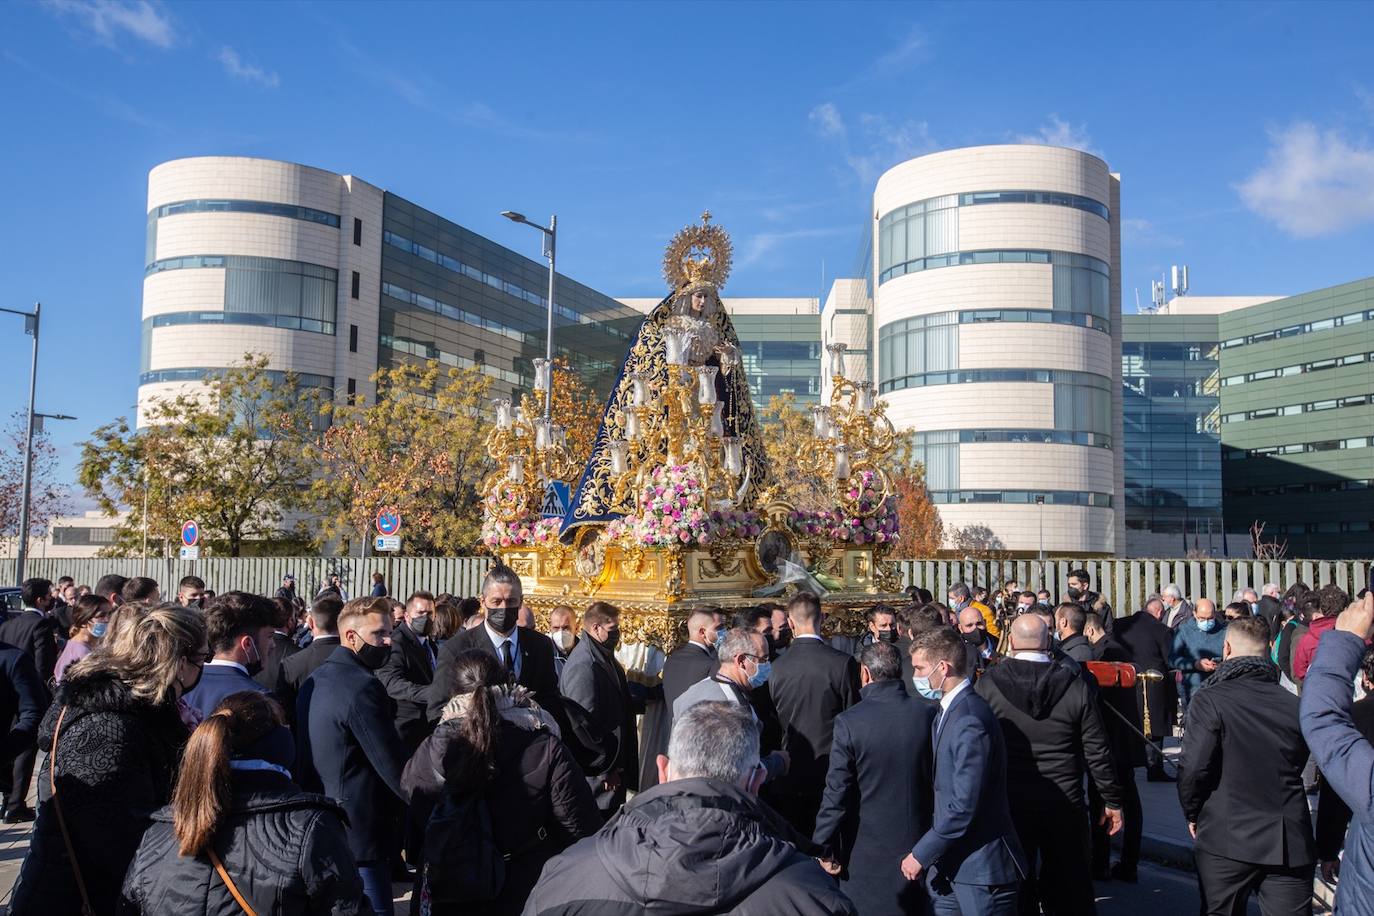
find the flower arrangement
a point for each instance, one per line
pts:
(672, 510)
(525, 530)
(874, 523)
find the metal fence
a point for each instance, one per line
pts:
(1125, 583)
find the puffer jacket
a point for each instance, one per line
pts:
(284, 849)
(116, 762)
(688, 846)
(538, 797)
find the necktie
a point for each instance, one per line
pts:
(507, 658)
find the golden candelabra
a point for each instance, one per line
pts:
(676, 423)
(849, 436)
(529, 450)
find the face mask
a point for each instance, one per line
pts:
(720, 638)
(1075, 593)
(974, 638)
(98, 629)
(1206, 626)
(419, 623)
(373, 657)
(760, 677)
(1024, 608)
(612, 639)
(502, 619)
(924, 688)
(187, 688)
(1254, 607)
(888, 636)
(783, 638)
(1058, 637)
(254, 665)
(563, 639)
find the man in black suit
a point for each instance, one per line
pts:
(526, 656)
(810, 685)
(1240, 782)
(686, 665)
(878, 789)
(33, 632)
(280, 645)
(603, 736)
(1069, 621)
(409, 672)
(323, 622)
(1149, 642)
(346, 742)
(970, 856)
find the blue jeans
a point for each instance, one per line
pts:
(957, 899)
(376, 878)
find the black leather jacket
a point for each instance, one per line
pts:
(284, 849)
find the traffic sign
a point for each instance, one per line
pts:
(555, 504)
(190, 553)
(190, 534)
(388, 542)
(389, 521)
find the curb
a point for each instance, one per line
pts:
(1165, 851)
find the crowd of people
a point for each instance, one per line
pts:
(232, 752)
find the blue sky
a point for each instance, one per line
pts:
(1244, 134)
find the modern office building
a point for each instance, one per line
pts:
(997, 322)
(1294, 402)
(332, 277)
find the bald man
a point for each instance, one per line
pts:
(1054, 737)
(1197, 649)
(980, 646)
(693, 661)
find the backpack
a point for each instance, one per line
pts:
(462, 863)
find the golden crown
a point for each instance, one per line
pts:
(698, 257)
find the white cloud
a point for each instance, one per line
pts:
(910, 50)
(1312, 182)
(1142, 232)
(235, 66)
(876, 143)
(110, 20)
(1058, 132)
(756, 247)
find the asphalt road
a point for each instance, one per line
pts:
(1160, 890)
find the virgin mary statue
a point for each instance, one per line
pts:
(695, 265)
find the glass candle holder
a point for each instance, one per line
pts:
(841, 461)
(717, 420)
(706, 384)
(820, 422)
(516, 474)
(503, 412)
(543, 374)
(836, 353)
(617, 451)
(733, 455)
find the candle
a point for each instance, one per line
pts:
(733, 455)
(543, 374)
(542, 433)
(841, 462)
(517, 469)
(820, 422)
(706, 384)
(675, 345)
(503, 415)
(836, 351)
(617, 452)
(560, 435)
(865, 397)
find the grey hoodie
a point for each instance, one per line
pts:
(684, 847)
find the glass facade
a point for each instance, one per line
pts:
(781, 355)
(261, 207)
(452, 295)
(1171, 418)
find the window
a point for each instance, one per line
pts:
(357, 282)
(357, 231)
(352, 338)
(292, 321)
(352, 390)
(262, 207)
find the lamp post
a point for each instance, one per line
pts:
(550, 246)
(30, 327)
(1040, 514)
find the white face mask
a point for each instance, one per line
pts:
(563, 639)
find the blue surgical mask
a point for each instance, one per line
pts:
(720, 638)
(924, 688)
(98, 629)
(1206, 626)
(1254, 607)
(760, 677)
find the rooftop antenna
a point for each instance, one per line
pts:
(1179, 280)
(1157, 296)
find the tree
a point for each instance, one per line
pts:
(47, 498)
(977, 541)
(1266, 550)
(786, 433)
(235, 455)
(419, 448)
(576, 407)
(920, 527)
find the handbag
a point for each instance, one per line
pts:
(86, 909)
(229, 883)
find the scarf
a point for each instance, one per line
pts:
(1256, 666)
(515, 705)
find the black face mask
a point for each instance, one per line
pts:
(888, 636)
(1075, 593)
(187, 688)
(611, 641)
(373, 657)
(255, 666)
(502, 619)
(782, 638)
(974, 638)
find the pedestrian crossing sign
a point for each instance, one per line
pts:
(555, 503)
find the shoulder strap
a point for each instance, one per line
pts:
(86, 909)
(229, 882)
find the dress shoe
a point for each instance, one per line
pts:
(22, 815)
(1123, 872)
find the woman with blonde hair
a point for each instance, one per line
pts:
(113, 738)
(240, 831)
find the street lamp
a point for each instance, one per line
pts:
(550, 244)
(1040, 513)
(30, 327)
